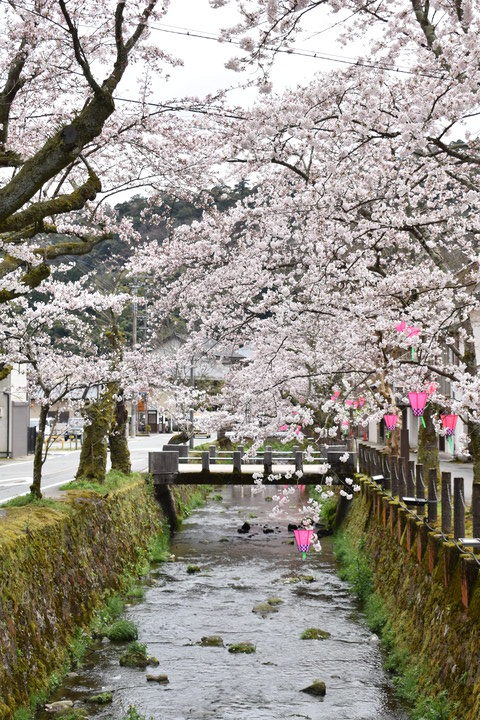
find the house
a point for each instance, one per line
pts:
(14, 414)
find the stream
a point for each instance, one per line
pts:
(238, 571)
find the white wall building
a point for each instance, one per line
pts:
(14, 414)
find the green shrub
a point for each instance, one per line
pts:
(135, 592)
(437, 708)
(23, 714)
(133, 714)
(328, 512)
(122, 631)
(158, 550)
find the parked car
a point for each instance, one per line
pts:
(74, 428)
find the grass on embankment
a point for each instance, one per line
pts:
(405, 669)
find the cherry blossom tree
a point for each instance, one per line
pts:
(364, 216)
(52, 339)
(77, 122)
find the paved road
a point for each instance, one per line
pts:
(60, 467)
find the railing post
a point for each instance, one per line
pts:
(476, 509)
(446, 503)
(212, 450)
(299, 460)
(387, 484)
(411, 478)
(402, 486)
(237, 461)
(393, 476)
(205, 461)
(432, 496)
(458, 508)
(267, 461)
(361, 451)
(420, 487)
(163, 466)
(241, 450)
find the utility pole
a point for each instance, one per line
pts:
(192, 383)
(134, 421)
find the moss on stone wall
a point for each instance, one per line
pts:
(57, 565)
(431, 594)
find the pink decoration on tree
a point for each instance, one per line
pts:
(401, 326)
(303, 538)
(449, 423)
(361, 401)
(418, 400)
(282, 428)
(412, 331)
(391, 421)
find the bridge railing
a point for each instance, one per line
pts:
(405, 481)
(165, 464)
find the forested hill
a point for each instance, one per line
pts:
(172, 211)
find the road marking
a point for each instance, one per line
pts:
(16, 481)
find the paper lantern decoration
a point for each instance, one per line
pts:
(361, 401)
(401, 326)
(418, 400)
(449, 423)
(391, 421)
(303, 538)
(412, 331)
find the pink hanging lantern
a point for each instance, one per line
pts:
(303, 538)
(401, 326)
(361, 401)
(449, 423)
(390, 421)
(432, 388)
(418, 400)
(412, 331)
(349, 403)
(283, 428)
(335, 395)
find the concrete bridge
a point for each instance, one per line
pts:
(176, 465)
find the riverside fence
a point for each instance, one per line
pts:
(439, 504)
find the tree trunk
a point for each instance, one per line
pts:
(117, 439)
(38, 458)
(474, 449)
(428, 445)
(99, 416)
(224, 442)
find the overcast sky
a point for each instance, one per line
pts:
(204, 69)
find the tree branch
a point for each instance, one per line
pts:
(62, 204)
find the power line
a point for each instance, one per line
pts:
(186, 32)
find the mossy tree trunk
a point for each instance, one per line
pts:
(99, 416)
(224, 442)
(39, 457)
(428, 445)
(117, 438)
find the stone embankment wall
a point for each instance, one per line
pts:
(55, 567)
(431, 589)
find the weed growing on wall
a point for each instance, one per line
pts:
(355, 568)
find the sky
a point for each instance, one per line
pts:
(204, 69)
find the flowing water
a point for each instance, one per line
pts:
(237, 572)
